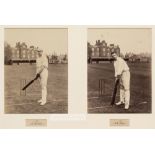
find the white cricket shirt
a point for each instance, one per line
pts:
(41, 61)
(120, 66)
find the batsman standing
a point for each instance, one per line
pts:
(122, 73)
(42, 72)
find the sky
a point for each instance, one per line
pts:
(130, 40)
(50, 40)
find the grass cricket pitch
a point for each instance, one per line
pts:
(17, 103)
(140, 88)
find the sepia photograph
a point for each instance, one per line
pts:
(77, 77)
(119, 70)
(36, 70)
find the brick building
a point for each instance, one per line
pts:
(22, 53)
(101, 50)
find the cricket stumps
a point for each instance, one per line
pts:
(101, 87)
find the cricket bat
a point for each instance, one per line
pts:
(27, 85)
(114, 92)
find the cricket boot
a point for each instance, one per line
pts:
(39, 101)
(122, 101)
(119, 103)
(42, 103)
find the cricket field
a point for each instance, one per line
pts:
(140, 88)
(20, 102)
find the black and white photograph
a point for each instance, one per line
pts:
(119, 70)
(36, 70)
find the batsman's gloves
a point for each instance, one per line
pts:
(37, 76)
(118, 76)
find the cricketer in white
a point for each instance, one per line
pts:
(122, 73)
(42, 70)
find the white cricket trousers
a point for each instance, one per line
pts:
(125, 88)
(43, 83)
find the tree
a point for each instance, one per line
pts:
(65, 57)
(7, 53)
(89, 49)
